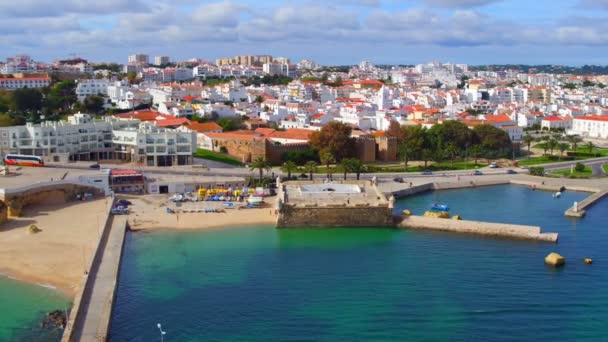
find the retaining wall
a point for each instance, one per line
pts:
(479, 228)
(334, 216)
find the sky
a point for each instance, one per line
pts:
(330, 32)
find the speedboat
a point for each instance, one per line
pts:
(439, 207)
(255, 199)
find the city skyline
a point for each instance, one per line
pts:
(345, 32)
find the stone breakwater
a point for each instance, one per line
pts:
(502, 230)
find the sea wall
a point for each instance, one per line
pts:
(479, 228)
(334, 216)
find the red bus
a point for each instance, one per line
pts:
(23, 160)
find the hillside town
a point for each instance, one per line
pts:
(158, 113)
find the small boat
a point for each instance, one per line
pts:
(439, 207)
(255, 199)
(557, 194)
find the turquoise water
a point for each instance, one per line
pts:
(22, 307)
(263, 284)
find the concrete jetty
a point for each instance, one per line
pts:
(90, 316)
(579, 211)
(479, 228)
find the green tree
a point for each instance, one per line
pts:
(259, 99)
(356, 166)
(327, 158)
(289, 167)
(528, 139)
(476, 152)
(552, 143)
(427, 154)
(562, 147)
(335, 138)
(62, 96)
(26, 100)
(574, 140)
(229, 124)
(93, 104)
(451, 150)
(544, 146)
(310, 167)
(346, 166)
(494, 142)
(260, 164)
(590, 146)
(131, 77)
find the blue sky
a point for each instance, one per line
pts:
(571, 32)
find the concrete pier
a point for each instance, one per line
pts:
(501, 230)
(584, 204)
(90, 316)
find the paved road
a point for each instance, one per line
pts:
(595, 164)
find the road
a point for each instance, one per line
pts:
(596, 165)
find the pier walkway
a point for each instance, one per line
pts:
(91, 315)
(584, 204)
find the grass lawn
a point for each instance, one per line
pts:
(216, 156)
(601, 151)
(605, 167)
(576, 174)
(444, 166)
(546, 160)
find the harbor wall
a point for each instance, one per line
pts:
(86, 286)
(476, 227)
(334, 216)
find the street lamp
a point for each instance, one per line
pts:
(162, 333)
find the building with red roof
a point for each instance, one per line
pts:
(592, 126)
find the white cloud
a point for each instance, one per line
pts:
(458, 3)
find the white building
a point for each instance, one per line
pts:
(161, 60)
(592, 126)
(90, 87)
(24, 82)
(556, 122)
(139, 58)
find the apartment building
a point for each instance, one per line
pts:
(90, 87)
(139, 58)
(244, 60)
(82, 138)
(161, 60)
(24, 82)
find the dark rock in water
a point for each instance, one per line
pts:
(54, 319)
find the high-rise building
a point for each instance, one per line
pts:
(161, 60)
(244, 60)
(139, 58)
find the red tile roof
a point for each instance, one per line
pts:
(593, 117)
(172, 122)
(202, 127)
(142, 115)
(553, 118)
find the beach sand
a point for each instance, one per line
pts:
(149, 212)
(57, 255)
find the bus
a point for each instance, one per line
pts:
(23, 160)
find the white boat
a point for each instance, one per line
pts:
(255, 199)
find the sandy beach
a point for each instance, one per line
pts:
(57, 255)
(149, 212)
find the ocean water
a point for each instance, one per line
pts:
(23, 306)
(263, 284)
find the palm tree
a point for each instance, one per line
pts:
(544, 146)
(552, 142)
(261, 164)
(289, 167)
(310, 167)
(326, 159)
(528, 139)
(345, 165)
(476, 152)
(590, 146)
(357, 167)
(404, 153)
(427, 154)
(562, 147)
(574, 140)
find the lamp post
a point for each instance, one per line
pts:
(162, 333)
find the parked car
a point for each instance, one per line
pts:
(120, 211)
(477, 173)
(493, 165)
(511, 172)
(95, 166)
(398, 179)
(427, 172)
(123, 202)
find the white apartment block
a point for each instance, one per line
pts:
(161, 60)
(592, 126)
(82, 138)
(139, 58)
(92, 87)
(25, 82)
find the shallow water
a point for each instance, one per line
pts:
(263, 284)
(23, 306)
